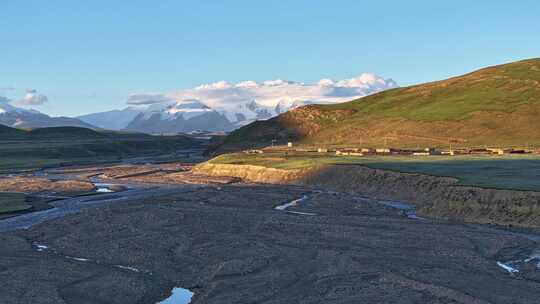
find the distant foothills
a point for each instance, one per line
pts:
(219, 106)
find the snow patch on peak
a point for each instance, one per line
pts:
(185, 109)
(13, 116)
(273, 97)
(188, 109)
(7, 107)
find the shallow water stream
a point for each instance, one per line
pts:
(293, 203)
(408, 209)
(103, 188)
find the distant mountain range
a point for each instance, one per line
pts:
(111, 120)
(184, 116)
(30, 119)
(494, 106)
(222, 106)
(219, 106)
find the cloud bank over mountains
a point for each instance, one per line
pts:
(246, 101)
(218, 106)
(270, 92)
(20, 117)
(31, 98)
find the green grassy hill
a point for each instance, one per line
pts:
(64, 132)
(21, 149)
(495, 106)
(8, 132)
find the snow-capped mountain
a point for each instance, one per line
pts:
(113, 120)
(16, 117)
(247, 101)
(222, 106)
(179, 116)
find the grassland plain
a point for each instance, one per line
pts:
(495, 106)
(68, 145)
(13, 202)
(518, 172)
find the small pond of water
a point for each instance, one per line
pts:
(178, 296)
(104, 190)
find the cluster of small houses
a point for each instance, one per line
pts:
(395, 151)
(420, 152)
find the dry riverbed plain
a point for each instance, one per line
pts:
(226, 242)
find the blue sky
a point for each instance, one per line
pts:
(87, 56)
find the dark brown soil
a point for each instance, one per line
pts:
(228, 245)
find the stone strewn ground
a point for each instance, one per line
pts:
(434, 196)
(229, 245)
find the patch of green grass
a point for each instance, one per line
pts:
(443, 103)
(499, 171)
(12, 202)
(506, 172)
(16, 154)
(500, 88)
(23, 163)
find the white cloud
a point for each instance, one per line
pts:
(216, 85)
(326, 82)
(31, 98)
(230, 99)
(247, 84)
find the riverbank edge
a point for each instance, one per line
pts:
(435, 197)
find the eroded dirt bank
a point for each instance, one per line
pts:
(35, 184)
(438, 197)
